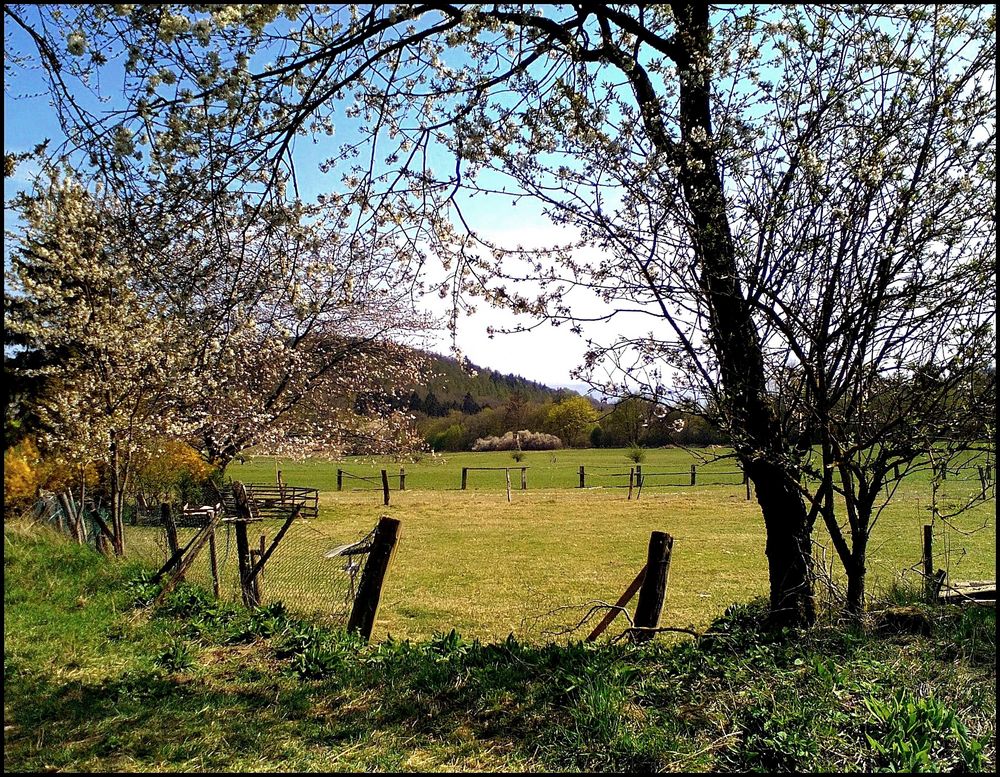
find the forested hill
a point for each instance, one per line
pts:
(449, 386)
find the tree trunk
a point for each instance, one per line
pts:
(856, 570)
(116, 502)
(757, 433)
(788, 548)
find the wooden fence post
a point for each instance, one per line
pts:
(638, 475)
(170, 527)
(583, 478)
(245, 563)
(928, 559)
(694, 474)
(654, 584)
(183, 560)
(465, 477)
(385, 488)
(243, 517)
(71, 518)
(506, 472)
(631, 480)
(340, 480)
(213, 561)
(402, 479)
(624, 599)
(258, 577)
(524, 478)
(373, 575)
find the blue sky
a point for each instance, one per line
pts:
(547, 354)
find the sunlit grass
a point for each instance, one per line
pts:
(94, 683)
(472, 561)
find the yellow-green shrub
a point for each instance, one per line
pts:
(170, 469)
(26, 470)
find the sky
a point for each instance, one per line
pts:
(547, 354)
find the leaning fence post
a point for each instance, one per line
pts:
(694, 474)
(506, 472)
(385, 488)
(654, 585)
(71, 519)
(631, 480)
(583, 477)
(258, 578)
(366, 602)
(465, 477)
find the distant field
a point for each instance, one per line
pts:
(471, 561)
(545, 469)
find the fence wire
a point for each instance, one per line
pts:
(314, 571)
(304, 572)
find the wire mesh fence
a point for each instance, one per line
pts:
(314, 570)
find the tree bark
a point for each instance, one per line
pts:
(788, 548)
(856, 571)
(757, 433)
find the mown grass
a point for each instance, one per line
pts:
(470, 560)
(94, 683)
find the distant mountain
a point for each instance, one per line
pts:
(450, 386)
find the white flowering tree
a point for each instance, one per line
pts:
(799, 200)
(103, 360)
(317, 325)
(266, 343)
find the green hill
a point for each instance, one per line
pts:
(470, 388)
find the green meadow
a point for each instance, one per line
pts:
(534, 566)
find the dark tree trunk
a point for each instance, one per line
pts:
(788, 548)
(856, 570)
(757, 433)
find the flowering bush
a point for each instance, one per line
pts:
(26, 471)
(170, 469)
(523, 440)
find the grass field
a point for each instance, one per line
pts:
(470, 560)
(95, 681)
